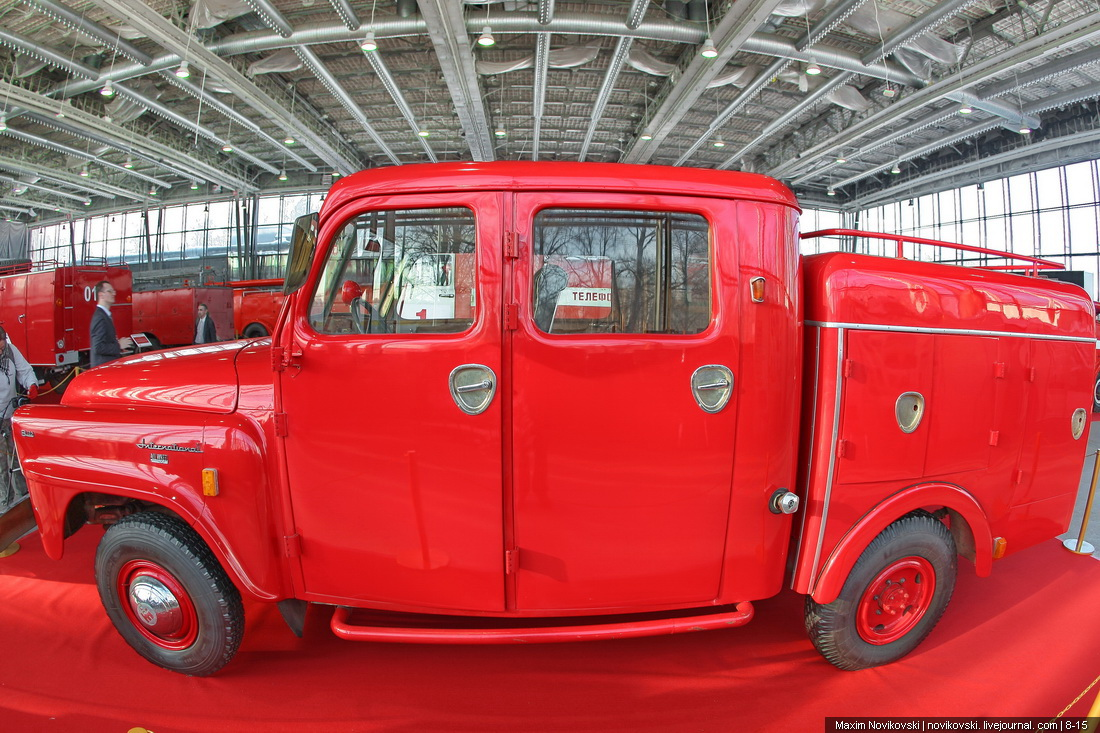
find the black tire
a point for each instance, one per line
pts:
(877, 619)
(254, 331)
(156, 344)
(1096, 395)
(197, 627)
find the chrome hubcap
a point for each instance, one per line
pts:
(155, 606)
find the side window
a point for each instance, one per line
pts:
(399, 271)
(611, 271)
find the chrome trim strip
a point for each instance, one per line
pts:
(955, 331)
(809, 450)
(832, 453)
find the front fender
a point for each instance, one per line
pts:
(158, 456)
(843, 557)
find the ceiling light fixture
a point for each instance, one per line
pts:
(813, 69)
(288, 140)
(708, 51)
(966, 109)
(369, 44)
(646, 136)
(183, 71)
(841, 159)
(423, 133)
(896, 169)
(830, 192)
(108, 89)
(194, 185)
(152, 190)
(889, 92)
(500, 132)
(227, 148)
(84, 171)
(719, 143)
(486, 38)
(3, 122)
(129, 162)
(282, 175)
(1025, 130)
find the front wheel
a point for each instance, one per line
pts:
(892, 599)
(167, 595)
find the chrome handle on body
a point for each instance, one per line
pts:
(724, 384)
(472, 387)
(483, 384)
(712, 387)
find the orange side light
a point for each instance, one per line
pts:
(209, 482)
(1000, 545)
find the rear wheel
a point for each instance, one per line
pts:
(892, 599)
(167, 595)
(254, 331)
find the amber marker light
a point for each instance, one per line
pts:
(1000, 546)
(209, 482)
(757, 287)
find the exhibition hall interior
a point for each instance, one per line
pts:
(608, 365)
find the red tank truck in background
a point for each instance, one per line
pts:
(167, 315)
(522, 402)
(46, 310)
(256, 306)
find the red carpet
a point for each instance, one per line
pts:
(1024, 642)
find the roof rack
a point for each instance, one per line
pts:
(1032, 266)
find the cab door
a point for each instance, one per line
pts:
(623, 401)
(392, 404)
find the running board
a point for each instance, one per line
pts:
(590, 631)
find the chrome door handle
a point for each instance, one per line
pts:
(472, 387)
(483, 384)
(712, 386)
(724, 384)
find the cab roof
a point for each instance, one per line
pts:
(557, 176)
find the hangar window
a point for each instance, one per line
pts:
(399, 271)
(613, 271)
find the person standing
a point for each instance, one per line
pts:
(106, 345)
(204, 327)
(15, 373)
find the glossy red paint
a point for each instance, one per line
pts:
(593, 481)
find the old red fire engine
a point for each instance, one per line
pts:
(550, 402)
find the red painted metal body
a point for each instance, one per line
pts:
(47, 311)
(591, 483)
(169, 315)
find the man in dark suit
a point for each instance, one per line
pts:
(106, 345)
(204, 327)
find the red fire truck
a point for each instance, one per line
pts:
(256, 306)
(47, 309)
(167, 316)
(523, 402)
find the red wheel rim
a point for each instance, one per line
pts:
(157, 605)
(896, 600)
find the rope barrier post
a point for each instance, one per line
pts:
(1079, 546)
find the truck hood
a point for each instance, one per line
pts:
(199, 378)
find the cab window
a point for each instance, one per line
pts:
(399, 271)
(612, 271)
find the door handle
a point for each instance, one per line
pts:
(472, 387)
(712, 386)
(466, 388)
